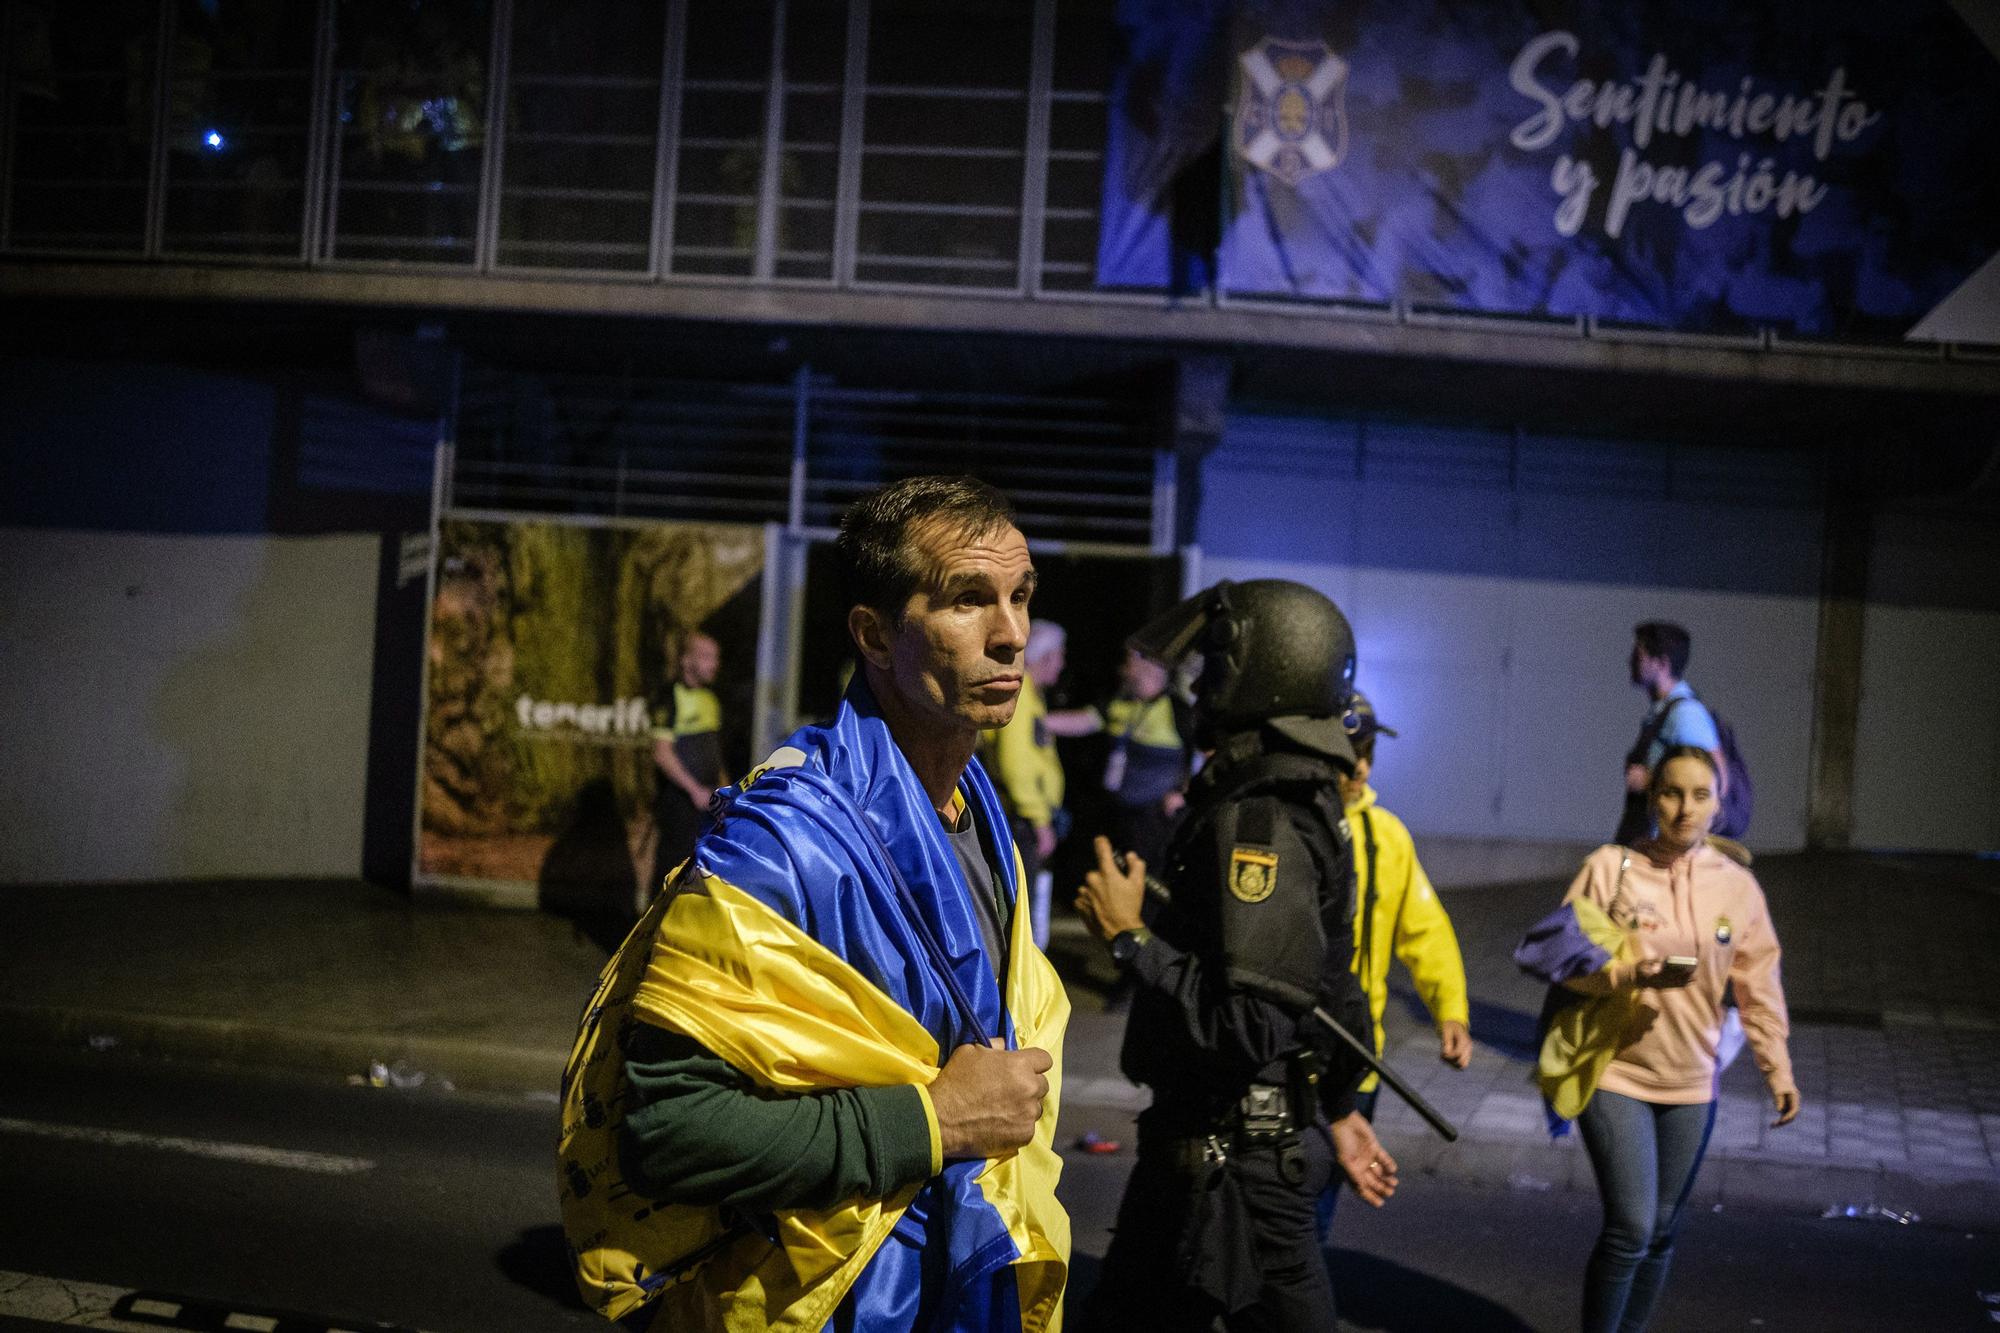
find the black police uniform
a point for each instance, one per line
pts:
(1218, 1217)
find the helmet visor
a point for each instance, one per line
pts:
(1170, 636)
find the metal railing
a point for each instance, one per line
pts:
(1079, 470)
(877, 145)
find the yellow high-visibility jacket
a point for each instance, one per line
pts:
(1021, 758)
(1397, 913)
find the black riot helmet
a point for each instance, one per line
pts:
(1271, 651)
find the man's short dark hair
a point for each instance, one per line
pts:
(1663, 638)
(876, 550)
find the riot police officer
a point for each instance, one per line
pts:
(1251, 929)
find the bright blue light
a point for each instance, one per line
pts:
(213, 139)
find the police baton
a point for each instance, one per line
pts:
(1444, 1127)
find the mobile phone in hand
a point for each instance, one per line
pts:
(1677, 969)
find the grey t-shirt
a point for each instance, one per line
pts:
(989, 903)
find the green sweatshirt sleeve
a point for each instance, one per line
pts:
(697, 1131)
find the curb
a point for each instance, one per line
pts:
(1526, 1164)
(467, 1065)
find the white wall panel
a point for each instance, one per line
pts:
(1493, 587)
(1927, 748)
(183, 705)
(1512, 703)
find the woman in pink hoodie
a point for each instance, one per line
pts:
(1647, 1125)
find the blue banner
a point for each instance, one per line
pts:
(1700, 165)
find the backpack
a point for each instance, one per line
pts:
(1732, 818)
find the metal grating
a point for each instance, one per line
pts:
(1078, 125)
(582, 136)
(943, 155)
(238, 117)
(84, 91)
(858, 144)
(580, 444)
(1077, 469)
(407, 153)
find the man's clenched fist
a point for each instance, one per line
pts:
(988, 1099)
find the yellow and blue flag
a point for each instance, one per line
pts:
(824, 936)
(1579, 1034)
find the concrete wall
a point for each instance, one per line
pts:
(197, 576)
(1927, 744)
(183, 705)
(1493, 581)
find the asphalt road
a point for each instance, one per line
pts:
(295, 1205)
(1445, 1257)
(420, 1209)
(1506, 1260)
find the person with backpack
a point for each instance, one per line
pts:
(1677, 716)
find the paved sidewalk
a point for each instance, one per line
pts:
(1890, 967)
(331, 976)
(1893, 978)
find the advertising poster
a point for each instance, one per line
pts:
(1701, 166)
(551, 647)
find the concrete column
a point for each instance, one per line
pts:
(1843, 604)
(1199, 405)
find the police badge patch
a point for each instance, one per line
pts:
(1252, 874)
(1291, 119)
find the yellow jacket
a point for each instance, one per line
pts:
(1406, 921)
(1021, 758)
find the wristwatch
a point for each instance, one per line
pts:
(1125, 945)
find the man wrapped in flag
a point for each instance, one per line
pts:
(818, 1084)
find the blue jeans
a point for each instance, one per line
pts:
(1645, 1155)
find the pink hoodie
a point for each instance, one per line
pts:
(1702, 904)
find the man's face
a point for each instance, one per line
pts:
(1641, 665)
(1352, 787)
(700, 661)
(955, 659)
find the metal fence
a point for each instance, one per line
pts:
(1082, 472)
(903, 145)
(856, 143)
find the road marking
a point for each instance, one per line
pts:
(68, 1304)
(60, 1303)
(251, 1154)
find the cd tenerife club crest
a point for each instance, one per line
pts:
(1291, 117)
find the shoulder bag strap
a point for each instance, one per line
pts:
(1368, 903)
(1618, 905)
